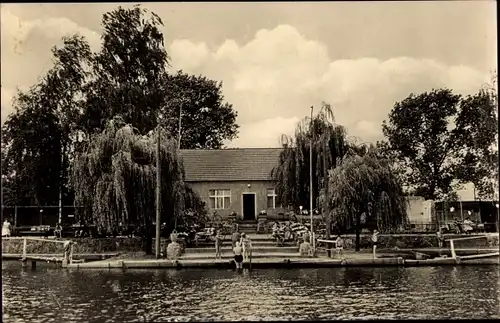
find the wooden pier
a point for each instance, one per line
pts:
(64, 259)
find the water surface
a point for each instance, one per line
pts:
(56, 295)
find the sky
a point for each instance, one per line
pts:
(276, 60)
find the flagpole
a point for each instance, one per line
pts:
(311, 179)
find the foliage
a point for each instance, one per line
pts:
(37, 136)
(292, 173)
(366, 194)
(488, 184)
(128, 73)
(115, 180)
(31, 150)
(206, 120)
(438, 137)
(128, 77)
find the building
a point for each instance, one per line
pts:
(485, 212)
(234, 180)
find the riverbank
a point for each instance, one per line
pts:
(85, 257)
(14, 245)
(279, 262)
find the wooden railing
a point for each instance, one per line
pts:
(67, 255)
(453, 248)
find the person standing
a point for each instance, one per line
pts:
(238, 257)
(218, 245)
(339, 245)
(246, 244)
(6, 228)
(375, 243)
(58, 231)
(439, 237)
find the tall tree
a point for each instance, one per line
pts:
(31, 140)
(367, 194)
(115, 180)
(37, 137)
(291, 175)
(84, 90)
(206, 119)
(438, 137)
(489, 182)
(129, 72)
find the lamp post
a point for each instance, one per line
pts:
(158, 193)
(41, 216)
(311, 178)
(180, 124)
(461, 208)
(498, 216)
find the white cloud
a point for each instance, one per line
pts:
(265, 133)
(25, 50)
(279, 74)
(187, 54)
(271, 80)
(17, 31)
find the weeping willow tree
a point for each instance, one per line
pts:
(114, 180)
(366, 194)
(329, 145)
(292, 172)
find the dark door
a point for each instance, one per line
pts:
(248, 206)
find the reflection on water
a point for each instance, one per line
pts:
(54, 295)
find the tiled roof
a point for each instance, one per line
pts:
(241, 164)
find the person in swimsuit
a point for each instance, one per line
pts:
(218, 245)
(246, 244)
(375, 242)
(238, 255)
(339, 245)
(440, 239)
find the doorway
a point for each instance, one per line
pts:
(249, 206)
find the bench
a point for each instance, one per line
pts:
(331, 245)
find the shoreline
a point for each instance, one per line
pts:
(361, 260)
(282, 263)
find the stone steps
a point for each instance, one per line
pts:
(248, 227)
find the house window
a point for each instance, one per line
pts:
(272, 198)
(220, 199)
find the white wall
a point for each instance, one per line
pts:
(419, 210)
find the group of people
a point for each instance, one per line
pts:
(290, 231)
(241, 245)
(466, 226)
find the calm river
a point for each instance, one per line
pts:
(52, 295)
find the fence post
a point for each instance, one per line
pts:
(452, 248)
(71, 254)
(24, 248)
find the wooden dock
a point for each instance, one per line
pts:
(65, 258)
(280, 262)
